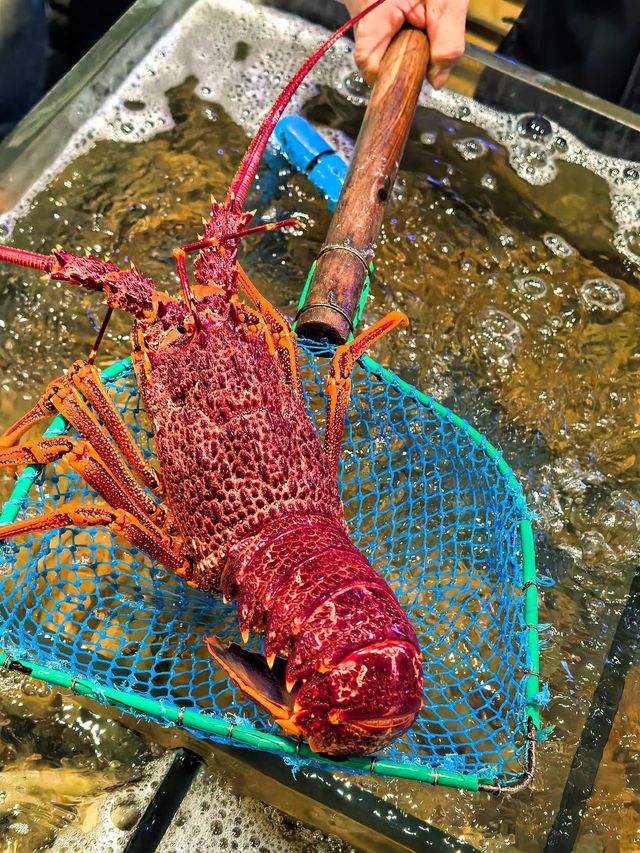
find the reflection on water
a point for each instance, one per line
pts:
(524, 320)
(55, 759)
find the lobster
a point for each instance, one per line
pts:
(245, 498)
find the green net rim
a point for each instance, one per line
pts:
(267, 741)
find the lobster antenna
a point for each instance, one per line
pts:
(251, 160)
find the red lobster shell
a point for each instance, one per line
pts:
(251, 506)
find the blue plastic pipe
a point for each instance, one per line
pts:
(309, 152)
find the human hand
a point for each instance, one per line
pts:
(444, 21)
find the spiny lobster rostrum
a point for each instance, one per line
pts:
(245, 500)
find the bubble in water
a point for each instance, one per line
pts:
(531, 286)
(124, 816)
(498, 333)
(532, 162)
(428, 138)
(508, 240)
(633, 240)
(488, 182)
(627, 242)
(558, 245)
(603, 294)
(535, 127)
(471, 148)
(535, 158)
(356, 89)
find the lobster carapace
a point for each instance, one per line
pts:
(244, 500)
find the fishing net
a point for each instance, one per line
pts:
(428, 500)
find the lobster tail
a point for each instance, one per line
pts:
(251, 160)
(353, 672)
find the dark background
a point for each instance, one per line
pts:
(40, 40)
(592, 44)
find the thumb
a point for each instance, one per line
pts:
(446, 21)
(373, 35)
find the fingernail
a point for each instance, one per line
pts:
(441, 78)
(370, 74)
(438, 75)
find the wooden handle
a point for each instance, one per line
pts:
(342, 265)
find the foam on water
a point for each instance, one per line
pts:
(211, 817)
(255, 52)
(536, 144)
(245, 67)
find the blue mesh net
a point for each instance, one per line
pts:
(425, 501)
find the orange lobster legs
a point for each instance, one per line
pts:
(120, 522)
(339, 382)
(64, 395)
(83, 459)
(278, 330)
(130, 512)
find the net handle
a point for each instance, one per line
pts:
(343, 266)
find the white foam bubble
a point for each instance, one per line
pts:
(241, 55)
(471, 148)
(603, 294)
(536, 144)
(205, 44)
(212, 817)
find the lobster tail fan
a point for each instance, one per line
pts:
(251, 160)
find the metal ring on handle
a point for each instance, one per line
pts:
(330, 305)
(332, 247)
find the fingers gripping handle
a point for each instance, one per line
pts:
(342, 268)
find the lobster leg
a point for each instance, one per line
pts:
(41, 410)
(283, 337)
(157, 545)
(61, 395)
(87, 379)
(338, 385)
(83, 459)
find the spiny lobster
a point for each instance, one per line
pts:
(245, 500)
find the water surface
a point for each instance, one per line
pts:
(513, 257)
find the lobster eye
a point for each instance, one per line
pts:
(181, 329)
